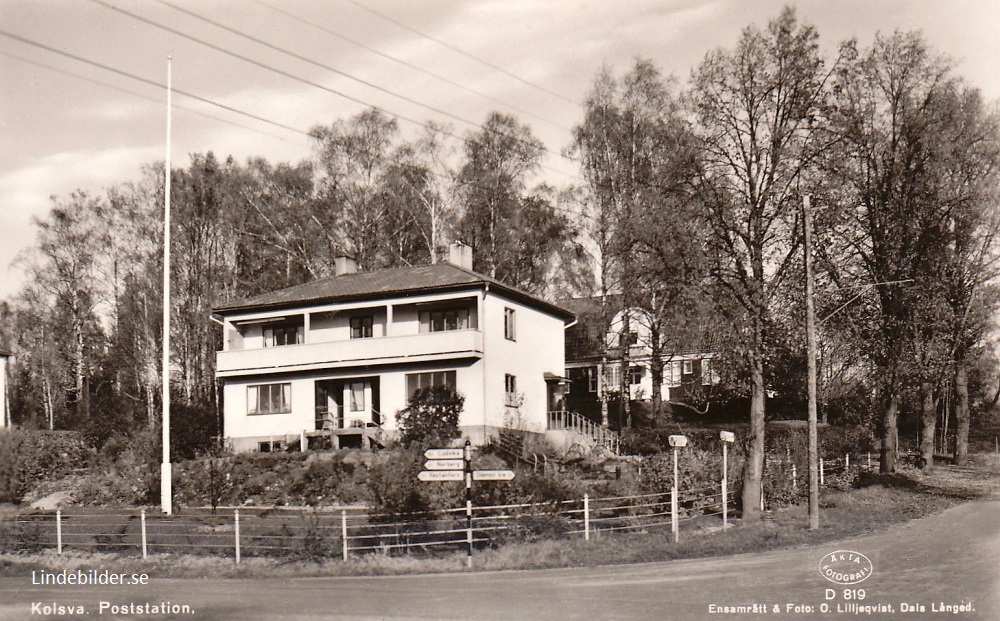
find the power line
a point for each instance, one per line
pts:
(140, 95)
(149, 82)
(410, 65)
(460, 51)
(277, 49)
(300, 79)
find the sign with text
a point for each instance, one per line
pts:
(492, 475)
(440, 475)
(445, 453)
(444, 464)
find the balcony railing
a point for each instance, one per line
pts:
(355, 352)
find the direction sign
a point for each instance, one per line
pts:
(444, 464)
(445, 453)
(492, 475)
(441, 475)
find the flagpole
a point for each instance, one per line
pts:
(166, 483)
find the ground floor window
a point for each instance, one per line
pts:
(510, 389)
(269, 398)
(357, 396)
(416, 381)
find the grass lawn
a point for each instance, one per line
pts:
(874, 504)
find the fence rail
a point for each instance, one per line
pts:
(317, 534)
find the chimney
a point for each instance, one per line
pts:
(345, 265)
(460, 255)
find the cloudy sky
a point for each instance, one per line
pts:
(82, 104)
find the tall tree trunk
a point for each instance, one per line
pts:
(625, 341)
(656, 370)
(50, 417)
(753, 472)
(961, 412)
(928, 419)
(887, 458)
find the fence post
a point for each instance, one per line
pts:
(795, 478)
(673, 513)
(822, 476)
(142, 521)
(59, 531)
(343, 531)
(847, 463)
(586, 517)
(236, 529)
(869, 460)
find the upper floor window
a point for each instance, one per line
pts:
(509, 326)
(635, 375)
(688, 367)
(672, 373)
(510, 389)
(627, 339)
(706, 372)
(361, 327)
(612, 378)
(444, 319)
(283, 334)
(416, 381)
(269, 398)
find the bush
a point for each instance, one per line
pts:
(431, 416)
(28, 458)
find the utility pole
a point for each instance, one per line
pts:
(166, 474)
(811, 367)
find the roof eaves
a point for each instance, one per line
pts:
(228, 309)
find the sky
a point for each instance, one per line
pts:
(82, 82)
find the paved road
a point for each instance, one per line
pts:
(949, 559)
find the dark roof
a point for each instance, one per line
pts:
(385, 283)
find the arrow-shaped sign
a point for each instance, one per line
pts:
(444, 464)
(445, 453)
(492, 475)
(441, 475)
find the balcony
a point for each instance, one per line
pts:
(425, 347)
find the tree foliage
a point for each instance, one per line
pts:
(430, 417)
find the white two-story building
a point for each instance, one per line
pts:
(341, 356)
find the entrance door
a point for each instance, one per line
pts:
(329, 405)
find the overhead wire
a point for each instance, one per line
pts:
(108, 85)
(460, 51)
(411, 65)
(292, 76)
(131, 76)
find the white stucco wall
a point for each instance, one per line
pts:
(246, 430)
(539, 348)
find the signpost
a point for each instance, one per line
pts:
(455, 464)
(677, 442)
(428, 476)
(445, 453)
(727, 437)
(444, 464)
(492, 475)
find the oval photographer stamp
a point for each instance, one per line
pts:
(846, 567)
